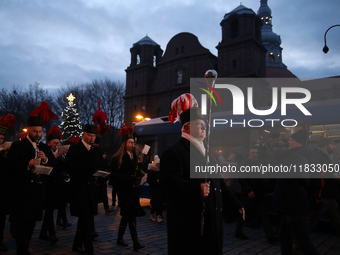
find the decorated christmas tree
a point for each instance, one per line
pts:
(70, 126)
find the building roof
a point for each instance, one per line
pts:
(146, 41)
(241, 9)
(278, 72)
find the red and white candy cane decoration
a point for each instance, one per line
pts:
(179, 105)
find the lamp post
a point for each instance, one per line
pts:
(325, 48)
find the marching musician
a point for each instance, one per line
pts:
(82, 162)
(124, 168)
(27, 187)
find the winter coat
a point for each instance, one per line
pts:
(128, 196)
(185, 203)
(81, 164)
(294, 196)
(27, 188)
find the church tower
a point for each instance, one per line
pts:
(241, 53)
(140, 75)
(270, 40)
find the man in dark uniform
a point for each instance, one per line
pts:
(292, 197)
(53, 191)
(185, 195)
(326, 188)
(82, 161)
(255, 196)
(27, 187)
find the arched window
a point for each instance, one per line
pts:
(234, 29)
(138, 59)
(179, 76)
(271, 57)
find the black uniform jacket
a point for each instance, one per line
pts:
(5, 185)
(81, 164)
(128, 197)
(294, 196)
(185, 203)
(27, 187)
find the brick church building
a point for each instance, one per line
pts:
(249, 48)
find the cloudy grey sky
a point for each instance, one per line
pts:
(58, 42)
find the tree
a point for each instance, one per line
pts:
(70, 126)
(21, 102)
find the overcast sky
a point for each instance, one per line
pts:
(59, 42)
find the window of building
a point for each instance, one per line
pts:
(154, 60)
(138, 59)
(234, 29)
(271, 57)
(179, 76)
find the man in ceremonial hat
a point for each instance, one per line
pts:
(53, 192)
(28, 187)
(189, 199)
(82, 162)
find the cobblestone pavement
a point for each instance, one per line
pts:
(153, 236)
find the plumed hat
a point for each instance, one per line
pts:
(126, 133)
(41, 115)
(7, 121)
(100, 118)
(184, 108)
(179, 105)
(22, 136)
(74, 140)
(300, 136)
(54, 133)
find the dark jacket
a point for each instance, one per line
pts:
(329, 187)
(294, 196)
(27, 189)
(123, 176)
(257, 185)
(81, 165)
(5, 185)
(185, 203)
(54, 186)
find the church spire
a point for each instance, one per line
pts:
(270, 40)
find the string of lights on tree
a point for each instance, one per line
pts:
(70, 126)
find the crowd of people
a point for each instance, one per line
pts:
(196, 207)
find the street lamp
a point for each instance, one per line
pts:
(326, 49)
(142, 118)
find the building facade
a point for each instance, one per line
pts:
(249, 48)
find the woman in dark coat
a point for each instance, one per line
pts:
(123, 168)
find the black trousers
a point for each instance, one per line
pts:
(83, 234)
(2, 226)
(24, 231)
(48, 223)
(257, 209)
(295, 227)
(156, 199)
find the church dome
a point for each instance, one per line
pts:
(270, 37)
(146, 41)
(264, 10)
